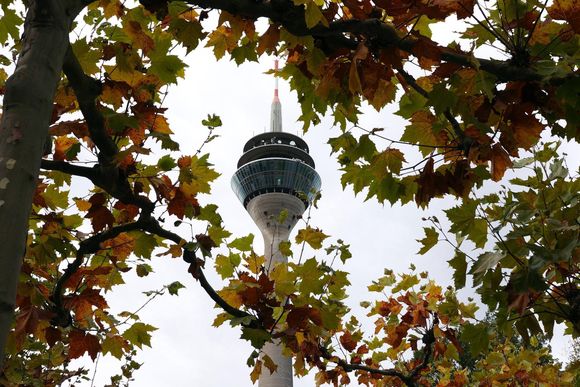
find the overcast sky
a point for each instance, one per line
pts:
(187, 350)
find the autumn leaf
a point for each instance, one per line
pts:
(256, 371)
(567, 10)
(313, 236)
(269, 364)
(354, 83)
(500, 162)
(81, 342)
(347, 341)
(139, 334)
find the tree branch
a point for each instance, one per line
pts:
(409, 380)
(119, 188)
(195, 268)
(87, 90)
(382, 34)
(87, 246)
(447, 113)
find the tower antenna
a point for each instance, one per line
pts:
(276, 110)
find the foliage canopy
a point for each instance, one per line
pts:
(475, 108)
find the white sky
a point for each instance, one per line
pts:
(187, 350)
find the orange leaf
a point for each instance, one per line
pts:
(347, 341)
(500, 161)
(62, 145)
(138, 36)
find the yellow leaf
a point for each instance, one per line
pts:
(312, 236)
(255, 374)
(83, 205)
(270, 365)
(231, 297)
(254, 263)
(160, 125)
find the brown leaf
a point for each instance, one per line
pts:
(52, 335)
(81, 342)
(268, 41)
(567, 10)
(297, 317)
(354, 83)
(348, 342)
(500, 161)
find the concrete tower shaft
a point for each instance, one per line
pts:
(265, 210)
(276, 175)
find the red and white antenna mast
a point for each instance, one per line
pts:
(276, 111)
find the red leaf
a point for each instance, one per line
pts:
(297, 318)
(347, 341)
(81, 342)
(52, 335)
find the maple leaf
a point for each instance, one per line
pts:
(256, 371)
(268, 41)
(430, 240)
(269, 364)
(81, 342)
(354, 83)
(567, 10)
(115, 345)
(139, 334)
(313, 236)
(65, 148)
(500, 162)
(347, 341)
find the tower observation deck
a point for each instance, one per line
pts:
(275, 174)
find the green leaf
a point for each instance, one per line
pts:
(167, 68)
(462, 217)
(138, 334)
(242, 243)
(223, 266)
(459, 264)
(144, 244)
(113, 345)
(212, 121)
(9, 25)
(410, 103)
(407, 281)
(313, 15)
(166, 163)
(218, 234)
(476, 337)
(187, 32)
(209, 213)
(174, 288)
(478, 232)
(258, 337)
(284, 248)
(430, 240)
(143, 270)
(485, 262)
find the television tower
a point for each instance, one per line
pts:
(275, 174)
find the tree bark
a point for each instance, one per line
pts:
(28, 103)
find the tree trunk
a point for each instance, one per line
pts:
(28, 104)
